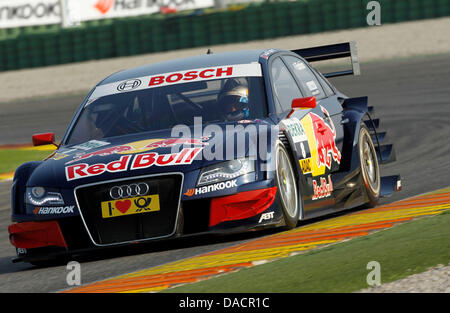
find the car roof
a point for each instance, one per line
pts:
(184, 64)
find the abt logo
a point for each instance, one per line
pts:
(104, 5)
(266, 216)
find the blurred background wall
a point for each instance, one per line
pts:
(36, 33)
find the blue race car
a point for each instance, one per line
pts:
(216, 143)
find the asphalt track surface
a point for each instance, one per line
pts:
(411, 97)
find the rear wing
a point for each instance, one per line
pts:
(336, 51)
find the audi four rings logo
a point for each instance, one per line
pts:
(129, 85)
(127, 191)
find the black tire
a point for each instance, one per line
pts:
(286, 181)
(370, 169)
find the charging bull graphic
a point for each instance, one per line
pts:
(325, 140)
(322, 143)
(140, 146)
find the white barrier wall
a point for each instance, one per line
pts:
(18, 13)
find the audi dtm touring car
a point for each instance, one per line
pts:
(215, 143)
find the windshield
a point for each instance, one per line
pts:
(151, 109)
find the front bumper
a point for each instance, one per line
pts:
(239, 212)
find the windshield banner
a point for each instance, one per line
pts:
(173, 78)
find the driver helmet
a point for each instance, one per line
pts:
(233, 101)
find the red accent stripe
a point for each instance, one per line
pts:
(30, 235)
(240, 206)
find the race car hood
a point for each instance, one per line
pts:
(148, 153)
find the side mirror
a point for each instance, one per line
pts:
(303, 103)
(44, 139)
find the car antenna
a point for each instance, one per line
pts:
(209, 51)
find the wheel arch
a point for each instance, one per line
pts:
(21, 176)
(285, 138)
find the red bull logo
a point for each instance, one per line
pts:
(102, 152)
(325, 140)
(138, 162)
(140, 146)
(324, 190)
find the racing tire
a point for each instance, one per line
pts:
(286, 182)
(370, 169)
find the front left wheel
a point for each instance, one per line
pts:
(287, 187)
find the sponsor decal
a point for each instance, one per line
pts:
(300, 66)
(59, 156)
(266, 54)
(295, 129)
(15, 13)
(103, 6)
(266, 216)
(54, 210)
(63, 153)
(21, 251)
(103, 152)
(302, 146)
(130, 206)
(172, 78)
(126, 191)
(219, 72)
(129, 85)
(322, 142)
(120, 8)
(140, 161)
(84, 170)
(140, 146)
(145, 160)
(92, 144)
(324, 190)
(311, 85)
(326, 141)
(305, 165)
(211, 188)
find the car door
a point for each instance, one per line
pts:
(326, 120)
(299, 125)
(322, 126)
(285, 89)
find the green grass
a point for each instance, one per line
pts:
(403, 250)
(11, 159)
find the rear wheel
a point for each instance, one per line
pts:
(370, 169)
(287, 187)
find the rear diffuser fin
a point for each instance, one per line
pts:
(373, 123)
(380, 135)
(358, 104)
(386, 154)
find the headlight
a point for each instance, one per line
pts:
(225, 171)
(40, 196)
